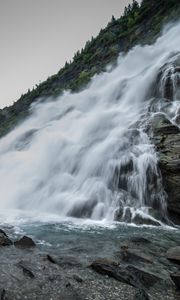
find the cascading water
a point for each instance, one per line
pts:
(87, 155)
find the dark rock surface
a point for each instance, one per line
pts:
(129, 274)
(141, 295)
(4, 240)
(147, 273)
(26, 270)
(130, 256)
(166, 132)
(51, 259)
(167, 141)
(140, 240)
(176, 279)
(174, 254)
(25, 242)
(139, 220)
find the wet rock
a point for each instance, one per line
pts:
(176, 279)
(166, 138)
(139, 220)
(83, 210)
(142, 277)
(128, 274)
(26, 270)
(141, 295)
(173, 254)
(135, 256)
(162, 126)
(25, 242)
(124, 252)
(68, 262)
(140, 240)
(177, 119)
(127, 216)
(2, 232)
(51, 259)
(168, 78)
(4, 240)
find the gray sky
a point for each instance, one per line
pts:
(38, 36)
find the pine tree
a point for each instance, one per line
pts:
(113, 19)
(135, 5)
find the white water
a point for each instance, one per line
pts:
(85, 155)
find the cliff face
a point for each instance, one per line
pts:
(166, 134)
(139, 25)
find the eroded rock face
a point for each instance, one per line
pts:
(166, 132)
(166, 138)
(169, 80)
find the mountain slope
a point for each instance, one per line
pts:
(138, 25)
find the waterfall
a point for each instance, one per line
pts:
(87, 154)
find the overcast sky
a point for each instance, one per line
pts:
(38, 36)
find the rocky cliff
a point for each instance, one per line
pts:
(166, 132)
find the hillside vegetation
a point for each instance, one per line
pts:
(139, 25)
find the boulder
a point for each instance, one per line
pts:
(25, 242)
(128, 274)
(173, 254)
(4, 240)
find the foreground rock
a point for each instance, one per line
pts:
(25, 242)
(141, 295)
(63, 275)
(4, 240)
(176, 279)
(174, 254)
(131, 256)
(127, 274)
(26, 269)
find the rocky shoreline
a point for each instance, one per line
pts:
(138, 270)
